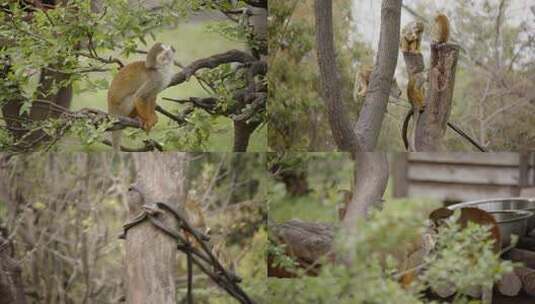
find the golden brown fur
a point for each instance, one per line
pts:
(411, 37)
(415, 93)
(441, 29)
(134, 89)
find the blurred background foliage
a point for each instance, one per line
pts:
(63, 213)
(74, 45)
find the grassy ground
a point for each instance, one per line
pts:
(191, 41)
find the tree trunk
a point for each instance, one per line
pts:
(295, 181)
(150, 254)
(371, 178)
(363, 136)
(11, 287)
(433, 121)
(242, 134)
(373, 111)
(331, 86)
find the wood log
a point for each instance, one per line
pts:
(308, 241)
(520, 255)
(510, 284)
(526, 242)
(305, 242)
(527, 277)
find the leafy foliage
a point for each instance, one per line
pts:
(79, 39)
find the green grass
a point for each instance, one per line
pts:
(192, 41)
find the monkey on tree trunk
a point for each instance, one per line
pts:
(134, 89)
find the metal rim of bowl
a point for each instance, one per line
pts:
(521, 215)
(476, 202)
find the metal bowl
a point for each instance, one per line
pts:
(509, 221)
(502, 204)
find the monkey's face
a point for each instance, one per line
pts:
(413, 30)
(166, 55)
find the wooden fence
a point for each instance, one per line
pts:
(454, 177)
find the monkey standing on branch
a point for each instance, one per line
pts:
(411, 37)
(134, 89)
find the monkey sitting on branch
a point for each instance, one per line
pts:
(134, 89)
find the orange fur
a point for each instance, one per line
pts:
(441, 29)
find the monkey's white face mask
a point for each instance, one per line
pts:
(166, 56)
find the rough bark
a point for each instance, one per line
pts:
(150, 254)
(433, 121)
(371, 177)
(414, 62)
(368, 126)
(527, 277)
(305, 242)
(331, 87)
(242, 134)
(11, 287)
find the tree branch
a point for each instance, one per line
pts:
(210, 63)
(371, 116)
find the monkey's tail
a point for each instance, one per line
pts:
(116, 140)
(405, 128)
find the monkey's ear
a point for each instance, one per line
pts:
(173, 49)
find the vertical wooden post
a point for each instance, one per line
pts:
(441, 80)
(400, 169)
(150, 254)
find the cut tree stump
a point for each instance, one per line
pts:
(433, 121)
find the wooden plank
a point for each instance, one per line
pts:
(458, 192)
(451, 173)
(470, 158)
(399, 175)
(523, 171)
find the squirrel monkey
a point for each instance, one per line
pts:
(440, 31)
(416, 91)
(134, 89)
(411, 37)
(362, 80)
(416, 96)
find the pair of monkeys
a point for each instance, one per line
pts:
(133, 90)
(411, 37)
